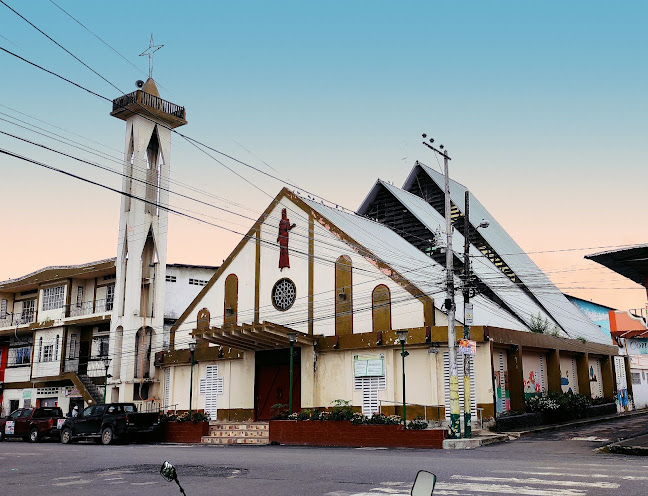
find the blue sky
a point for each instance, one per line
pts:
(541, 104)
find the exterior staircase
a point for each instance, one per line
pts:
(237, 433)
(85, 386)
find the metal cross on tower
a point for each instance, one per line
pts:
(152, 48)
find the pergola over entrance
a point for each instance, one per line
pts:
(252, 337)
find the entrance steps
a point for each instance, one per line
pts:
(237, 433)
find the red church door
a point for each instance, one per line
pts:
(272, 381)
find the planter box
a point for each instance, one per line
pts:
(507, 423)
(183, 432)
(344, 433)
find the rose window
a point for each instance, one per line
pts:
(283, 294)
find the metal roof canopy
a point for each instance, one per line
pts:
(253, 337)
(629, 262)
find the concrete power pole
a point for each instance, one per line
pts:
(466, 325)
(455, 423)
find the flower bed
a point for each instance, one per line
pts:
(184, 432)
(344, 433)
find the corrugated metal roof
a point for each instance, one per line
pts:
(411, 263)
(561, 310)
(510, 293)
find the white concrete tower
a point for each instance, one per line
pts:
(136, 329)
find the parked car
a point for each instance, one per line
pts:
(108, 422)
(32, 424)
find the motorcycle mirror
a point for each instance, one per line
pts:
(423, 484)
(168, 471)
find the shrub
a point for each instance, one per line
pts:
(417, 423)
(185, 417)
(559, 406)
(382, 419)
(341, 410)
(279, 411)
(358, 419)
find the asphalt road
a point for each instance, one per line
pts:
(562, 463)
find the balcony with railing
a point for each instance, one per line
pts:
(82, 309)
(18, 319)
(140, 102)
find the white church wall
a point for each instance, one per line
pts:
(178, 292)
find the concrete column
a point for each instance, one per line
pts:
(582, 369)
(607, 376)
(553, 371)
(626, 360)
(516, 379)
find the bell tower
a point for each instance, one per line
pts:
(136, 329)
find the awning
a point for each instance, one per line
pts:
(254, 337)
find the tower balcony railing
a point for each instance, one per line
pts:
(149, 100)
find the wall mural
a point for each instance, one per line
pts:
(564, 382)
(532, 385)
(502, 387)
(282, 239)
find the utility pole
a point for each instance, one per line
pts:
(466, 325)
(455, 422)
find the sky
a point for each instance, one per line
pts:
(542, 106)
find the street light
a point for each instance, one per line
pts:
(192, 350)
(292, 336)
(402, 337)
(106, 362)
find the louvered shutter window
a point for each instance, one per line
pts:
(167, 388)
(213, 387)
(370, 387)
(446, 382)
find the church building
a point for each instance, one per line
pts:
(338, 286)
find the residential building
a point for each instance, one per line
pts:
(55, 331)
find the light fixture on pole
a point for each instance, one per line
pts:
(402, 337)
(106, 362)
(292, 336)
(192, 350)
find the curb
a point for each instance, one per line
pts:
(556, 427)
(474, 442)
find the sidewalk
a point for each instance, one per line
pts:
(517, 433)
(637, 446)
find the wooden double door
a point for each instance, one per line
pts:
(272, 381)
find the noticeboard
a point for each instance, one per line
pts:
(369, 365)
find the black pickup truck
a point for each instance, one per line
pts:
(108, 422)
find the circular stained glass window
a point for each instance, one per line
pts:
(283, 294)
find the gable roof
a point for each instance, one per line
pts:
(403, 257)
(539, 286)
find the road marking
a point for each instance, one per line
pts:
(67, 478)
(72, 482)
(114, 478)
(563, 474)
(566, 483)
(590, 438)
(118, 482)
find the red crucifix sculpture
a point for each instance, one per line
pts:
(282, 239)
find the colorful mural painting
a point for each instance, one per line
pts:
(532, 385)
(502, 387)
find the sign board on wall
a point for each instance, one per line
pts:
(638, 346)
(26, 393)
(369, 365)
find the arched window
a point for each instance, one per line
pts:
(143, 352)
(343, 296)
(231, 300)
(381, 308)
